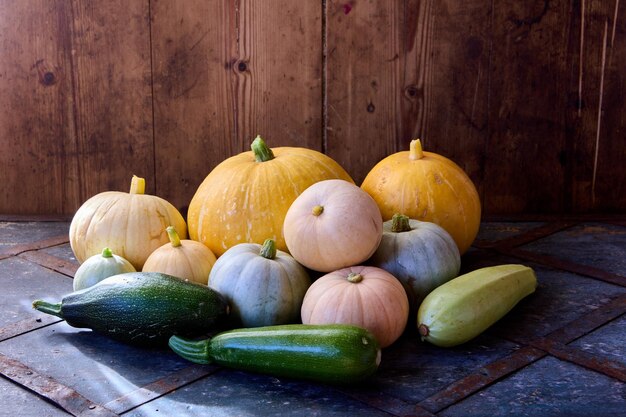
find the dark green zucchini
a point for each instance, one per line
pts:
(325, 353)
(142, 308)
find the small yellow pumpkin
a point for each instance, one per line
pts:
(333, 224)
(186, 259)
(131, 224)
(245, 198)
(428, 187)
(363, 296)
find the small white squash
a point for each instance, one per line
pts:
(186, 259)
(333, 224)
(98, 267)
(264, 286)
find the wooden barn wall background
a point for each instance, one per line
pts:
(526, 96)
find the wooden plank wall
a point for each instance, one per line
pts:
(527, 97)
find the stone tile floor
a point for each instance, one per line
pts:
(560, 352)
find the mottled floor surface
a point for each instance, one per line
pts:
(560, 352)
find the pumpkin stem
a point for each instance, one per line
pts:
(262, 152)
(137, 185)
(174, 238)
(107, 253)
(268, 250)
(400, 223)
(415, 150)
(48, 308)
(354, 277)
(317, 210)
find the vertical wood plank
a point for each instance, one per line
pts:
(363, 67)
(403, 70)
(37, 138)
(225, 72)
(596, 149)
(528, 95)
(112, 81)
(279, 73)
(194, 46)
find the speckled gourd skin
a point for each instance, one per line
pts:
(337, 353)
(144, 308)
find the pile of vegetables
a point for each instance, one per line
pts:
(238, 290)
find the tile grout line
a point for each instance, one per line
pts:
(50, 389)
(602, 365)
(484, 377)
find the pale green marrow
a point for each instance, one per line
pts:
(466, 306)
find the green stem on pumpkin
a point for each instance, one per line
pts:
(400, 223)
(262, 152)
(107, 253)
(137, 185)
(415, 150)
(268, 250)
(48, 308)
(355, 278)
(174, 238)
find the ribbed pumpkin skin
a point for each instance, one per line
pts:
(432, 189)
(378, 303)
(345, 233)
(191, 261)
(97, 268)
(422, 258)
(132, 225)
(245, 201)
(260, 291)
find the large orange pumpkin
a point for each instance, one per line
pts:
(428, 187)
(245, 198)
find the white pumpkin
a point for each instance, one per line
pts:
(98, 267)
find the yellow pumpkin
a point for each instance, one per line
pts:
(428, 187)
(131, 224)
(186, 259)
(363, 296)
(244, 199)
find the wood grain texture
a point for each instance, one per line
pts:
(403, 70)
(193, 47)
(113, 99)
(527, 97)
(226, 71)
(596, 147)
(37, 135)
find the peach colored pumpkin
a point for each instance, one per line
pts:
(331, 225)
(186, 259)
(363, 296)
(428, 187)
